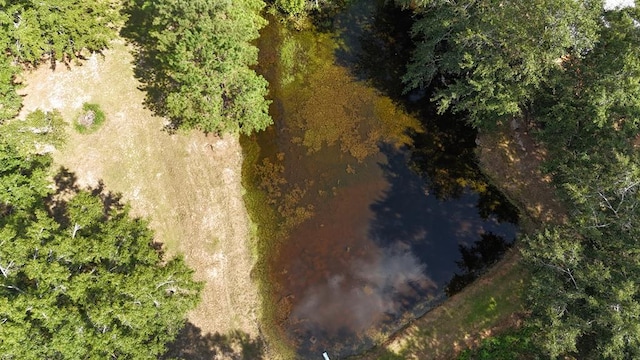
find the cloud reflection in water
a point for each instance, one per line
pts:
(375, 290)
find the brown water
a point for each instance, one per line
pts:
(369, 226)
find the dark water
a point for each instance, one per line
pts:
(381, 210)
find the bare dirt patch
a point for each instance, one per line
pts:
(188, 185)
(512, 158)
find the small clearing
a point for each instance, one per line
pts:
(187, 184)
(512, 159)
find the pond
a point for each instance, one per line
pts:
(381, 211)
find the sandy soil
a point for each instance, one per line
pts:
(188, 185)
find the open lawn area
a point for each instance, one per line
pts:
(187, 184)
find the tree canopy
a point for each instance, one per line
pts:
(584, 292)
(487, 57)
(196, 59)
(48, 30)
(584, 296)
(58, 29)
(86, 283)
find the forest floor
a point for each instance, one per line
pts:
(511, 159)
(187, 184)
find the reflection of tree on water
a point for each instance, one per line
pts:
(476, 259)
(434, 229)
(384, 238)
(444, 152)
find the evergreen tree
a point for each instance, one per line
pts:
(88, 284)
(487, 57)
(584, 293)
(199, 55)
(58, 29)
(10, 101)
(595, 100)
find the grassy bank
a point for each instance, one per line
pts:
(490, 305)
(493, 304)
(264, 235)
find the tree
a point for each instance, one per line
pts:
(87, 285)
(199, 55)
(487, 57)
(584, 295)
(58, 29)
(595, 98)
(291, 7)
(10, 101)
(38, 133)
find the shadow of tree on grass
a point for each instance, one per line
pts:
(191, 344)
(66, 187)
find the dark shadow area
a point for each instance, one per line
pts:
(401, 215)
(477, 259)
(191, 344)
(147, 67)
(444, 155)
(377, 47)
(434, 228)
(66, 186)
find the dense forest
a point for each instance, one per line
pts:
(81, 278)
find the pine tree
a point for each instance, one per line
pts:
(88, 284)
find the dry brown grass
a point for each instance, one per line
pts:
(512, 159)
(188, 185)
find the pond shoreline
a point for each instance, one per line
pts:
(510, 157)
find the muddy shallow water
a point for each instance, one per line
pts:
(375, 203)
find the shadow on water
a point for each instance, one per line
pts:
(476, 259)
(385, 214)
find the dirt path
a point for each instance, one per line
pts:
(188, 184)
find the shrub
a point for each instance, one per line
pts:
(89, 119)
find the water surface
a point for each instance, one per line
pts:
(374, 205)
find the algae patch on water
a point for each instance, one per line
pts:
(326, 105)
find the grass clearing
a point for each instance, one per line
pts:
(187, 184)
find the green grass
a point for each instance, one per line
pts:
(485, 307)
(98, 120)
(513, 344)
(496, 299)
